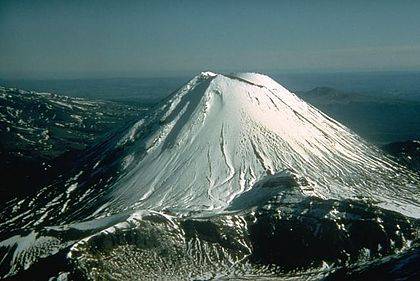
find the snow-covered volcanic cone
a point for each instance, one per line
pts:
(219, 134)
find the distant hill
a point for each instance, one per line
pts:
(378, 119)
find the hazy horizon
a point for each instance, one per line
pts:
(103, 39)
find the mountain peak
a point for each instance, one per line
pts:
(254, 78)
(258, 79)
(207, 74)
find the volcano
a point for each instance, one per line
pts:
(215, 137)
(230, 176)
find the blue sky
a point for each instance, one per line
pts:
(77, 39)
